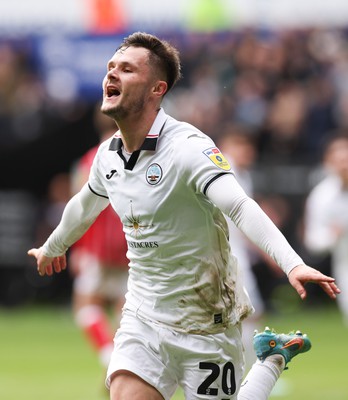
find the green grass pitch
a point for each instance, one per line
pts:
(44, 356)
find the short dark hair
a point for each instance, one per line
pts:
(162, 54)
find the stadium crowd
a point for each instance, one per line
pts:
(286, 90)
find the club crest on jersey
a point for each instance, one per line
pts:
(217, 158)
(154, 174)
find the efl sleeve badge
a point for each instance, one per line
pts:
(215, 155)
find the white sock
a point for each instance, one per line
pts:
(261, 378)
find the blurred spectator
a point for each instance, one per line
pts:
(273, 82)
(249, 97)
(34, 127)
(21, 97)
(326, 215)
(288, 87)
(98, 262)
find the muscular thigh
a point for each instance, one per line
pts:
(125, 385)
(139, 350)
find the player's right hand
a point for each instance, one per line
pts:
(303, 274)
(46, 265)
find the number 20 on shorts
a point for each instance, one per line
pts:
(228, 381)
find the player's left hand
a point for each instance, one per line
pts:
(46, 265)
(303, 274)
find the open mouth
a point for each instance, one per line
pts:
(112, 92)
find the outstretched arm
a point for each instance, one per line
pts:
(79, 214)
(228, 195)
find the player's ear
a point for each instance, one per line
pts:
(160, 88)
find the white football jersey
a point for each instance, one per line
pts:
(181, 271)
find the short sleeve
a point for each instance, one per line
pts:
(200, 161)
(94, 181)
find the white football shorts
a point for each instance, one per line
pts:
(205, 366)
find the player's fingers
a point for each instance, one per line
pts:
(335, 288)
(63, 262)
(330, 289)
(56, 264)
(325, 278)
(300, 289)
(49, 270)
(327, 289)
(328, 284)
(332, 284)
(42, 270)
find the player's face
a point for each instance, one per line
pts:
(128, 83)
